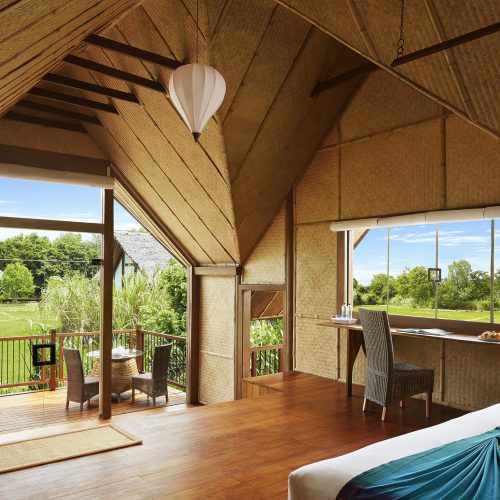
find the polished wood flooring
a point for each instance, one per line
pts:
(39, 408)
(239, 449)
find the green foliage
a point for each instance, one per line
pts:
(17, 282)
(266, 332)
(74, 301)
(413, 284)
(156, 305)
(462, 289)
(45, 258)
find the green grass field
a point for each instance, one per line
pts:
(442, 313)
(15, 319)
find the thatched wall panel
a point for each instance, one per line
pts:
(235, 41)
(315, 271)
(472, 375)
(393, 173)
(472, 165)
(317, 193)
(266, 264)
(27, 135)
(315, 348)
(217, 323)
(266, 73)
(37, 35)
(378, 104)
(216, 379)
(149, 192)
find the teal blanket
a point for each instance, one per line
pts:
(465, 469)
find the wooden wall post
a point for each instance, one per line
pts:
(139, 345)
(288, 340)
(193, 337)
(246, 320)
(53, 381)
(106, 306)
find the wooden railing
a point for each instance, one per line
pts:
(18, 373)
(265, 360)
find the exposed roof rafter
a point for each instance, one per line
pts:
(115, 73)
(70, 99)
(129, 50)
(89, 87)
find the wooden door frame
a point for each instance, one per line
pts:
(242, 331)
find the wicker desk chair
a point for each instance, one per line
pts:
(154, 384)
(80, 387)
(387, 381)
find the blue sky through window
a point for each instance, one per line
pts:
(416, 245)
(41, 200)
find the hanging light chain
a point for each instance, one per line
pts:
(197, 30)
(401, 41)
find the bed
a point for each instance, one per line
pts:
(326, 479)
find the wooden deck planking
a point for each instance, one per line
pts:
(39, 408)
(227, 450)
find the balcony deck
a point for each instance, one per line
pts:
(39, 408)
(238, 449)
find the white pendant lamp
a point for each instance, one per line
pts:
(197, 91)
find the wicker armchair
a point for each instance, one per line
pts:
(154, 384)
(386, 381)
(80, 387)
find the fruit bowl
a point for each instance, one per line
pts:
(489, 336)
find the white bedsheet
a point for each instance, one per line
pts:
(323, 480)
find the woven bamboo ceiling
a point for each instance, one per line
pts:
(216, 198)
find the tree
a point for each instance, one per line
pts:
(31, 249)
(17, 281)
(455, 291)
(69, 254)
(413, 284)
(378, 287)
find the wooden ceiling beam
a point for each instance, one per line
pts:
(46, 122)
(344, 77)
(90, 87)
(70, 99)
(129, 50)
(15, 155)
(115, 73)
(447, 44)
(38, 106)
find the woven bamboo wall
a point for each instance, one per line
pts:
(31, 136)
(393, 151)
(266, 263)
(217, 323)
(315, 297)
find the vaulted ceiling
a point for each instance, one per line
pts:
(217, 197)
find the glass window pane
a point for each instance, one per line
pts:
(370, 270)
(412, 252)
(464, 250)
(43, 200)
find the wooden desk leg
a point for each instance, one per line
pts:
(354, 343)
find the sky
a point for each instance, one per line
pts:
(411, 246)
(43, 200)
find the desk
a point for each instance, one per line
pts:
(355, 342)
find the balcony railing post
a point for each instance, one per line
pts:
(139, 343)
(281, 353)
(253, 369)
(53, 381)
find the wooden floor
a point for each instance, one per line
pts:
(39, 408)
(239, 449)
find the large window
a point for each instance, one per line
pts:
(446, 270)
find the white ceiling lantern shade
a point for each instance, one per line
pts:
(197, 91)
